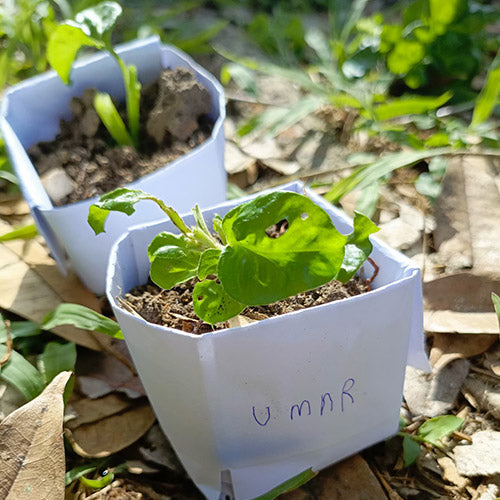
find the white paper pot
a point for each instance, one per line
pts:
(229, 401)
(30, 113)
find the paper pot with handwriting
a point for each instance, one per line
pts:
(250, 402)
(69, 140)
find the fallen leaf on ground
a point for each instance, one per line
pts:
(31, 286)
(107, 425)
(460, 322)
(351, 478)
(466, 346)
(487, 394)
(31, 447)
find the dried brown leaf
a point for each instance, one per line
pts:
(31, 447)
(112, 433)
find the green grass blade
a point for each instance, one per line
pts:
(368, 174)
(56, 358)
(289, 485)
(488, 97)
(413, 105)
(21, 233)
(112, 120)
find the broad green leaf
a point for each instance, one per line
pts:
(404, 56)
(112, 120)
(99, 19)
(21, 233)
(443, 13)
(438, 428)
(63, 46)
(411, 450)
(358, 247)
(21, 374)
(496, 304)
(208, 263)
(368, 174)
(56, 358)
(410, 105)
(437, 167)
(81, 317)
(257, 269)
(488, 97)
(212, 304)
(19, 329)
(289, 485)
(173, 260)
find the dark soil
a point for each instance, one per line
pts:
(174, 308)
(173, 121)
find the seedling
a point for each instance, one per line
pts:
(92, 27)
(245, 263)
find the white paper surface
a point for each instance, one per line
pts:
(266, 401)
(30, 113)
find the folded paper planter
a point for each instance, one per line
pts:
(30, 113)
(249, 407)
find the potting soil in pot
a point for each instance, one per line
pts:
(174, 308)
(83, 161)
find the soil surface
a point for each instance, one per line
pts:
(174, 308)
(83, 161)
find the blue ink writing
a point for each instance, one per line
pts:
(299, 408)
(257, 420)
(348, 385)
(323, 402)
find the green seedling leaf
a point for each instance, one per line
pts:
(212, 304)
(21, 374)
(99, 20)
(258, 269)
(410, 105)
(244, 77)
(21, 233)
(81, 317)
(438, 428)
(173, 259)
(19, 329)
(208, 263)
(368, 199)
(496, 304)
(217, 223)
(411, 450)
(78, 472)
(488, 97)
(133, 91)
(427, 185)
(56, 358)
(8, 176)
(123, 200)
(368, 174)
(112, 120)
(291, 484)
(64, 44)
(358, 247)
(96, 484)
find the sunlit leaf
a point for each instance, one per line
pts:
(410, 105)
(112, 120)
(208, 263)
(257, 269)
(21, 233)
(81, 317)
(435, 429)
(488, 97)
(212, 304)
